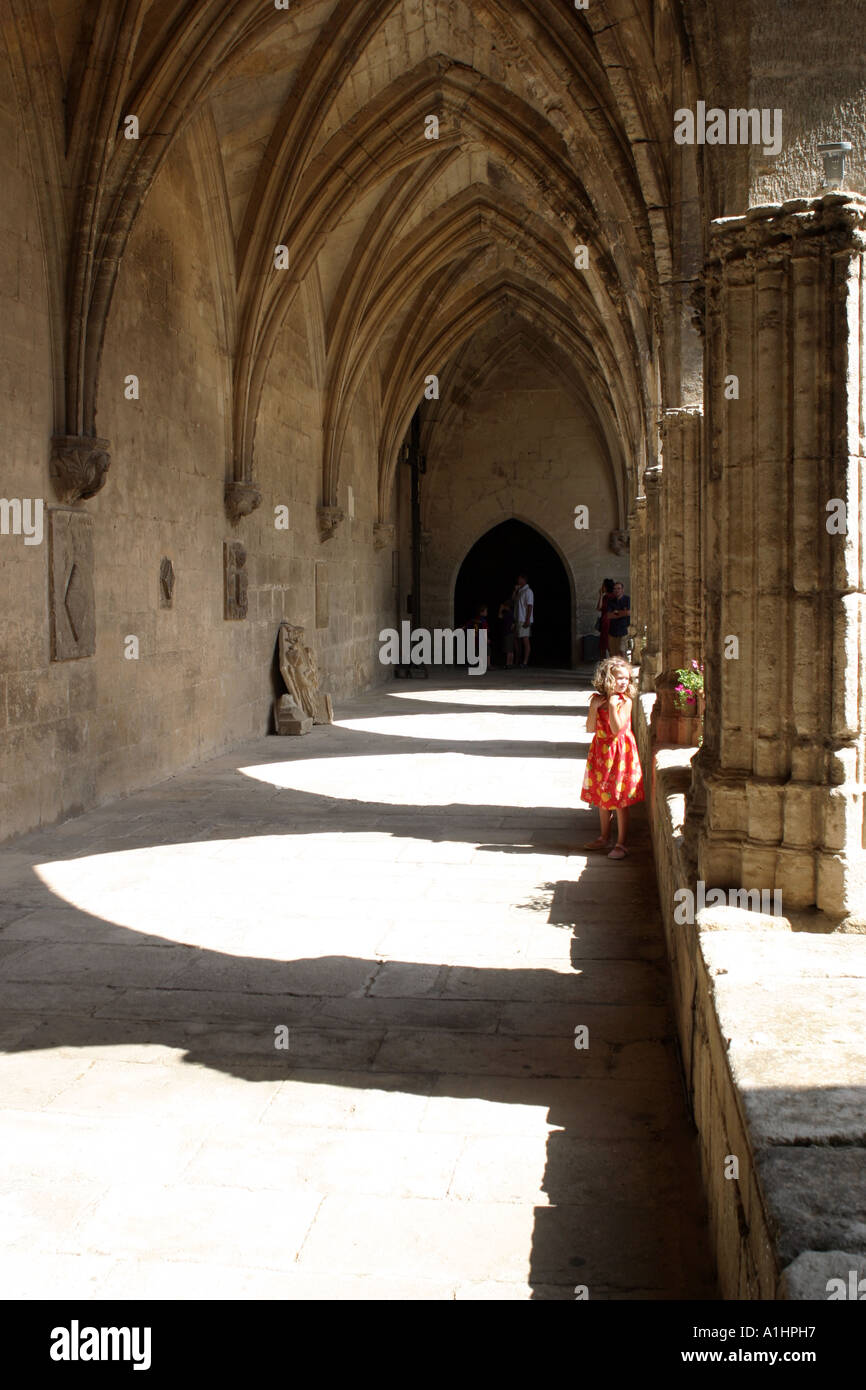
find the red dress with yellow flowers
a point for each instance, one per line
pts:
(613, 777)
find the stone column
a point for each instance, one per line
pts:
(681, 640)
(680, 581)
(653, 570)
(637, 575)
(780, 775)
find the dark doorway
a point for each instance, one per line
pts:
(488, 573)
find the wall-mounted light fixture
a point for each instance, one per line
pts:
(833, 155)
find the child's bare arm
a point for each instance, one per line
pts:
(619, 713)
(594, 703)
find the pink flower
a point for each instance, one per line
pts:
(690, 698)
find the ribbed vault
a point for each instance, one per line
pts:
(307, 127)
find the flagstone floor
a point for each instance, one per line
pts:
(300, 1023)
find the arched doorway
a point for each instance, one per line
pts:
(488, 573)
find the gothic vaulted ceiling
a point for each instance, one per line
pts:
(439, 173)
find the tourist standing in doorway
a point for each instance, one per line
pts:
(605, 603)
(613, 778)
(524, 615)
(506, 629)
(620, 616)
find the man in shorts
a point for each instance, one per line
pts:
(524, 612)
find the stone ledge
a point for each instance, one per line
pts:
(769, 1014)
(808, 1275)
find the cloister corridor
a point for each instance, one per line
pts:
(404, 894)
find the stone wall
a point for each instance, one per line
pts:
(75, 733)
(768, 1017)
(38, 733)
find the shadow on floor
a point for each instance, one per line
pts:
(626, 1214)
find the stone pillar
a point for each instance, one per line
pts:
(680, 582)
(653, 570)
(637, 576)
(681, 639)
(779, 779)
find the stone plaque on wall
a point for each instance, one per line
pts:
(321, 594)
(71, 603)
(235, 580)
(166, 582)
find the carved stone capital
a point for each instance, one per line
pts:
(79, 463)
(241, 499)
(768, 234)
(619, 542)
(329, 519)
(383, 534)
(652, 480)
(680, 428)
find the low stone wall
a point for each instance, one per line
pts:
(770, 1018)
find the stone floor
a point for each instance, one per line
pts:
(403, 894)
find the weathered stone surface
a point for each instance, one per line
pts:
(166, 582)
(809, 1275)
(71, 598)
(241, 498)
(513, 288)
(235, 580)
(299, 670)
(289, 719)
(817, 1198)
(79, 465)
(770, 1026)
(160, 966)
(322, 610)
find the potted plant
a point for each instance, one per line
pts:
(689, 690)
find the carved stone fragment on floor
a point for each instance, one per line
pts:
(304, 704)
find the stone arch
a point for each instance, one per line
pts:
(502, 341)
(384, 140)
(553, 643)
(466, 317)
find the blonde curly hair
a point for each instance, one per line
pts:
(604, 678)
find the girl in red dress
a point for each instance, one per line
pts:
(613, 778)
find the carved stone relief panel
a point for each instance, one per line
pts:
(71, 602)
(235, 580)
(166, 582)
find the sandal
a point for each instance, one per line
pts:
(598, 844)
(618, 852)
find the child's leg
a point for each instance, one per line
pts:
(619, 850)
(601, 842)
